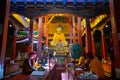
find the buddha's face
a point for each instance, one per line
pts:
(59, 30)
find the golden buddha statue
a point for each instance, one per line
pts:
(59, 38)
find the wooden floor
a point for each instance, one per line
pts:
(58, 72)
(21, 76)
(57, 75)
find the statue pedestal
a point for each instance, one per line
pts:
(60, 59)
(60, 53)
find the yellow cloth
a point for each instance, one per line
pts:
(81, 59)
(96, 67)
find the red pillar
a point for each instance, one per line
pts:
(14, 46)
(79, 32)
(40, 34)
(45, 25)
(115, 20)
(88, 37)
(74, 38)
(71, 28)
(46, 31)
(103, 46)
(4, 15)
(93, 46)
(71, 32)
(47, 35)
(31, 35)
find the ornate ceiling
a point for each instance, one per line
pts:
(84, 8)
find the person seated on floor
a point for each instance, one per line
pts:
(30, 64)
(82, 61)
(95, 66)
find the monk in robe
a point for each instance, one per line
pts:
(82, 60)
(30, 64)
(96, 67)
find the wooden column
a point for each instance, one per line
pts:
(4, 15)
(14, 46)
(31, 35)
(40, 34)
(46, 31)
(115, 20)
(88, 37)
(47, 35)
(79, 32)
(93, 46)
(74, 38)
(71, 28)
(46, 28)
(103, 45)
(71, 33)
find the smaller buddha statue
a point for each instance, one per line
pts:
(59, 38)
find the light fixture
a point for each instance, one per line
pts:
(10, 25)
(26, 18)
(106, 26)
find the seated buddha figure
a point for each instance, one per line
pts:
(59, 38)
